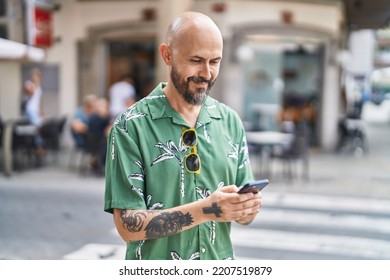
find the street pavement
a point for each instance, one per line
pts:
(341, 212)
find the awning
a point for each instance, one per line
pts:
(11, 50)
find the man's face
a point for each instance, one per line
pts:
(195, 67)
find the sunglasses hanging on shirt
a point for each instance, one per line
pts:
(192, 160)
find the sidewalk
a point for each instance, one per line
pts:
(368, 175)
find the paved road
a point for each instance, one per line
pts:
(47, 213)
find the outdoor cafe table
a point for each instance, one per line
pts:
(266, 142)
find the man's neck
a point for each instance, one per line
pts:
(188, 112)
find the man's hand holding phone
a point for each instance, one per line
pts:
(254, 186)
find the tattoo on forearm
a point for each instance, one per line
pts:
(214, 209)
(133, 220)
(167, 223)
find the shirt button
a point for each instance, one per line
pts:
(203, 250)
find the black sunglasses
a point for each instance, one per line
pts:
(192, 160)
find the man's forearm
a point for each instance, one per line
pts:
(161, 224)
(223, 205)
(135, 225)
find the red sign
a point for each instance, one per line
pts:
(43, 27)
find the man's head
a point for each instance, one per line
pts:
(35, 75)
(89, 103)
(127, 78)
(193, 52)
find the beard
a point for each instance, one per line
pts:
(196, 97)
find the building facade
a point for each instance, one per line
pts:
(272, 49)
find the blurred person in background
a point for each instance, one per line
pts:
(122, 95)
(32, 98)
(176, 159)
(80, 121)
(32, 106)
(98, 127)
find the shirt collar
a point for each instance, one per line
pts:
(159, 108)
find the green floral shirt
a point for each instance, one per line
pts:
(145, 170)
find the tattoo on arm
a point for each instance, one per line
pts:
(133, 220)
(167, 223)
(214, 209)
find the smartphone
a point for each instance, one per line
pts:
(254, 186)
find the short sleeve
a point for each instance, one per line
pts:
(244, 172)
(124, 173)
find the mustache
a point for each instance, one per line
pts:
(199, 80)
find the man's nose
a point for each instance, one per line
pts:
(206, 72)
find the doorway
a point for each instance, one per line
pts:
(112, 50)
(135, 57)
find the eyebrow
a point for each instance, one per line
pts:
(200, 57)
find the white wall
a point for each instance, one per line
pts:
(10, 89)
(321, 16)
(170, 8)
(362, 47)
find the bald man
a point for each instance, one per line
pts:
(177, 158)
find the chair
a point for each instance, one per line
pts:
(18, 145)
(297, 151)
(92, 156)
(51, 132)
(353, 139)
(77, 151)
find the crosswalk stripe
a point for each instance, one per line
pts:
(327, 202)
(312, 243)
(341, 222)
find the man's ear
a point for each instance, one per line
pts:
(165, 52)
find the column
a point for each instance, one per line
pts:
(167, 11)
